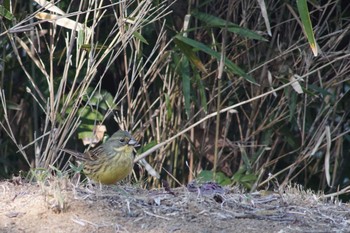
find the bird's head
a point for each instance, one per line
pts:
(122, 138)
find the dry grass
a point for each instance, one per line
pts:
(194, 116)
(132, 209)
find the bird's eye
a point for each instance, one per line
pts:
(122, 140)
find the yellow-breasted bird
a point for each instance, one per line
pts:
(110, 162)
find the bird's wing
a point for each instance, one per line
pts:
(80, 156)
(94, 154)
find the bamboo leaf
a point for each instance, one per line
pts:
(207, 176)
(190, 54)
(140, 37)
(101, 99)
(265, 16)
(201, 89)
(307, 26)
(229, 64)
(6, 13)
(296, 85)
(293, 100)
(213, 21)
(50, 7)
(63, 22)
(169, 109)
(186, 84)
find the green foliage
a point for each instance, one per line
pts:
(158, 77)
(202, 47)
(219, 177)
(76, 169)
(244, 178)
(39, 174)
(147, 147)
(95, 104)
(307, 26)
(184, 72)
(215, 22)
(4, 12)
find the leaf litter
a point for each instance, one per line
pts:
(205, 207)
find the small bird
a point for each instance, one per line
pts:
(110, 162)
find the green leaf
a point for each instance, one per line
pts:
(81, 39)
(101, 99)
(76, 169)
(305, 19)
(89, 117)
(229, 64)
(248, 178)
(246, 161)
(186, 84)
(318, 90)
(244, 178)
(140, 37)
(90, 114)
(221, 178)
(289, 136)
(147, 147)
(190, 54)
(205, 176)
(85, 131)
(201, 90)
(6, 13)
(87, 47)
(13, 105)
(169, 109)
(213, 21)
(292, 104)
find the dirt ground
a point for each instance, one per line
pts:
(198, 208)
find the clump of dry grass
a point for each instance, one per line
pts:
(67, 87)
(282, 115)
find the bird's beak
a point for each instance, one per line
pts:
(133, 142)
